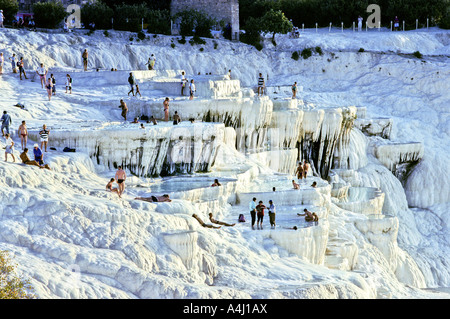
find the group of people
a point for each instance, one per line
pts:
(184, 83)
(257, 213)
(133, 84)
(297, 185)
(302, 170)
(119, 178)
(41, 71)
(295, 32)
(23, 134)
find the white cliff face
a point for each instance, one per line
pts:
(150, 151)
(75, 240)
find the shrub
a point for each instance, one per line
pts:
(306, 53)
(97, 12)
(182, 40)
(141, 35)
(361, 50)
(196, 40)
(49, 14)
(106, 33)
(202, 49)
(12, 286)
(418, 55)
(295, 55)
(10, 9)
(172, 45)
(319, 50)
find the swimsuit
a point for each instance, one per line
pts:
(120, 181)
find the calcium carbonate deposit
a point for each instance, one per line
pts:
(374, 126)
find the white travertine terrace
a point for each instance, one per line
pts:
(74, 240)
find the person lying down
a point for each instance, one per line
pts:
(153, 199)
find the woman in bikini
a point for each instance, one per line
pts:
(166, 109)
(49, 87)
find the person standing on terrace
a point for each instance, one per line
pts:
(23, 133)
(260, 213)
(124, 108)
(183, 82)
(305, 169)
(166, 109)
(85, 59)
(299, 171)
(132, 83)
(252, 207)
(261, 85)
(121, 176)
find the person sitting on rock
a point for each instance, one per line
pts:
(109, 186)
(153, 199)
(218, 222)
(296, 186)
(314, 185)
(203, 223)
(309, 217)
(26, 160)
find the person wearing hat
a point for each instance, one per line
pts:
(272, 214)
(38, 155)
(26, 160)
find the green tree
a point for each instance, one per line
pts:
(97, 12)
(252, 32)
(275, 22)
(49, 14)
(12, 286)
(10, 9)
(129, 17)
(194, 22)
(158, 21)
(254, 9)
